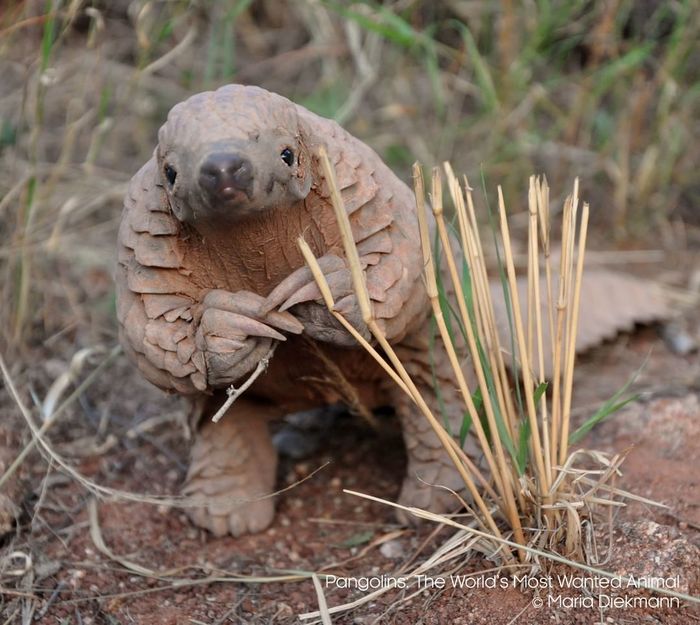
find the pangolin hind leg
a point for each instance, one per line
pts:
(233, 466)
(429, 465)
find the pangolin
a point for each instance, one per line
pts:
(210, 278)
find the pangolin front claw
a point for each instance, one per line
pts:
(226, 324)
(340, 283)
(248, 303)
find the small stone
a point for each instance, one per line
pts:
(302, 469)
(392, 549)
(678, 339)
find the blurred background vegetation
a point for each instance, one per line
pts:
(608, 91)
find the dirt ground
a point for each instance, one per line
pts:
(78, 119)
(319, 528)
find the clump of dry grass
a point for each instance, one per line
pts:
(532, 484)
(532, 504)
(534, 499)
(525, 442)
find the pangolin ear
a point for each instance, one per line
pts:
(178, 209)
(302, 179)
(182, 213)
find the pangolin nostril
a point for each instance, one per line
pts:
(223, 173)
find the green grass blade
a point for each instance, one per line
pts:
(522, 454)
(391, 26)
(436, 385)
(48, 36)
(524, 433)
(608, 408)
(464, 429)
(610, 73)
(539, 391)
(482, 72)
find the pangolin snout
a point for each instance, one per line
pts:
(224, 175)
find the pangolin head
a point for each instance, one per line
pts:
(232, 154)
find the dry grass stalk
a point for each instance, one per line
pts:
(233, 392)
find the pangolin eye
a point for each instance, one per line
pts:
(170, 174)
(287, 156)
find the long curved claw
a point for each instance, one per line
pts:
(340, 283)
(284, 321)
(227, 324)
(297, 280)
(347, 304)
